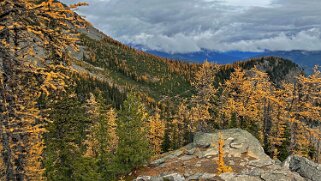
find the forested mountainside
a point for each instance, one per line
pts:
(77, 105)
(305, 59)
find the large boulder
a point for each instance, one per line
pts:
(304, 167)
(237, 142)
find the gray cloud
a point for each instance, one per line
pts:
(223, 25)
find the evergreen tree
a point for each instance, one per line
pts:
(133, 147)
(166, 141)
(65, 142)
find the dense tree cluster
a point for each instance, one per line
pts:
(285, 117)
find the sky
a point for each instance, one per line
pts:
(184, 26)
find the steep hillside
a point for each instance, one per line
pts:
(135, 69)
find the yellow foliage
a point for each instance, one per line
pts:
(156, 132)
(75, 6)
(43, 27)
(222, 168)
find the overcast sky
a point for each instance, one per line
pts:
(181, 26)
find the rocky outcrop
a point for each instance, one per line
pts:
(243, 152)
(237, 142)
(304, 167)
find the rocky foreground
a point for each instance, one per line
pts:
(243, 152)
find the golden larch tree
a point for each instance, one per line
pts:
(32, 34)
(156, 132)
(205, 101)
(221, 167)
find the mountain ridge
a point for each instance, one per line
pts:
(306, 59)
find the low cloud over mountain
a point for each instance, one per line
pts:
(183, 26)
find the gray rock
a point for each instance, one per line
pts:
(174, 177)
(261, 163)
(196, 176)
(236, 145)
(231, 162)
(191, 151)
(246, 178)
(198, 165)
(187, 173)
(158, 162)
(168, 156)
(149, 178)
(306, 168)
(235, 177)
(227, 176)
(242, 164)
(210, 152)
(173, 154)
(143, 178)
(198, 153)
(253, 172)
(237, 142)
(208, 176)
(187, 157)
(281, 175)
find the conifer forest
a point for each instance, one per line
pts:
(78, 105)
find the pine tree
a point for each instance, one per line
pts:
(101, 139)
(132, 129)
(65, 142)
(166, 144)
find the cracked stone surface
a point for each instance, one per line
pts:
(243, 152)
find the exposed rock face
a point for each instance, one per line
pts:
(243, 152)
(237, 142)
(304, 167)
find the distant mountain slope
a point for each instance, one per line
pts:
(213, 56)
(306, 59)
(278, 69)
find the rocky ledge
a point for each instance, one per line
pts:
(243, 152)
